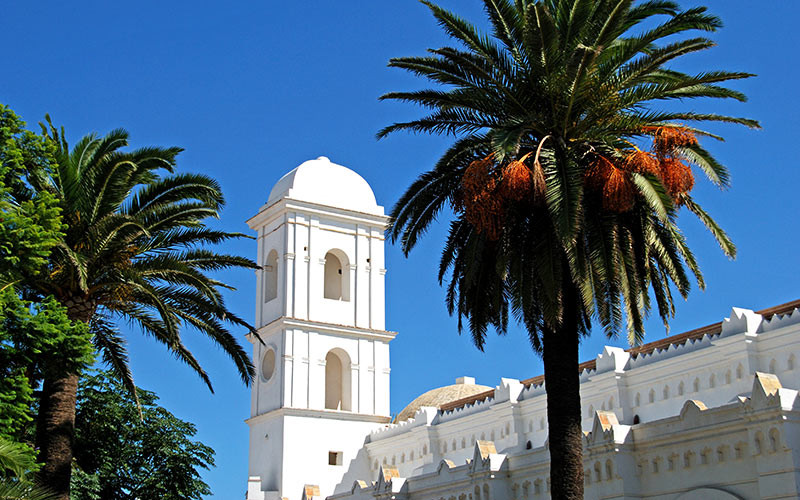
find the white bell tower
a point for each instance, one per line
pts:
(323, 356)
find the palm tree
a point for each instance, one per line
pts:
(134, 250)
(564, 179)
(16, 464)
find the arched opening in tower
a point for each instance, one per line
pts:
(337, 276)
(271, 276)
(337, 381)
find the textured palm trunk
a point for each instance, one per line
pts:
(55, 426)
(562, 383)
(54, 432)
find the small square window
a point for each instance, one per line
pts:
(334, 458)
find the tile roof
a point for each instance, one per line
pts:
(440, 396)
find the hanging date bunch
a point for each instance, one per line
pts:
(523, 180)
(674, 171)
(610, 175)
(611, 180)
(482, 202)
(488, 187)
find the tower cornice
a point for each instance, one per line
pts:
(276, 209)
(315, 413)
(348, 330)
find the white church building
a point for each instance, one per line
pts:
(710, 414)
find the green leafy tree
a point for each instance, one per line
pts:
(129, 452)
(35, 337)
(30, 223)
(133, 250)
(565, 178)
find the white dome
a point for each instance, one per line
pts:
(326, 183)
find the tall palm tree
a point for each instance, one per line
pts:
(564, 179)
(134, 250)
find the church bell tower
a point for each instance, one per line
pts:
(323, 354)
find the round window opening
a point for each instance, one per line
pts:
(268, 365)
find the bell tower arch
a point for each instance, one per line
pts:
(338, 383)
(323, 353)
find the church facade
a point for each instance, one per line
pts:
(713, 413)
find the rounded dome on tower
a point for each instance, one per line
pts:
(326, 183)
(463, 388)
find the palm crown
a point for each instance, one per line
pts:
(563, 172)
(134, 249)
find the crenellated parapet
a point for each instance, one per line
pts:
(742, 448)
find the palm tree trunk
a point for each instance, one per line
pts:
(562, 383)
(55, 425)
(54, 432)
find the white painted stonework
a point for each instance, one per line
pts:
(712, 414)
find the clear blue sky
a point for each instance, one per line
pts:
(252, 89)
